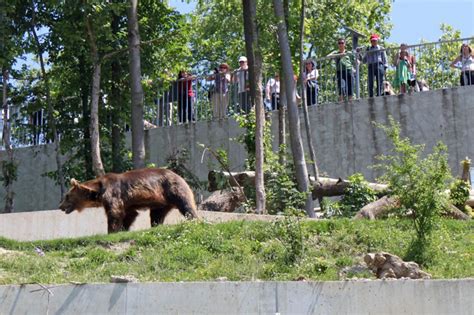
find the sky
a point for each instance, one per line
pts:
(412, 20)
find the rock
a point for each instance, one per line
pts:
(223, 200)
(385, 265)
(123, 279)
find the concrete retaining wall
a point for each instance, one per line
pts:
(54, 224)
(345, 139)
(348, 297)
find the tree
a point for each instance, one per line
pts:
(255, 71)
(97, 164)
(138, 144)
(8, 166)
(293, 117)
(49, 102)
(309, 139)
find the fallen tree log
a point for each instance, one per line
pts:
(384, 205)
(377, 208)
(234, 179)
(454, 213)
(326, 187)
(330, 187)
(470, 202)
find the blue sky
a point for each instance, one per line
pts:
(413, 19)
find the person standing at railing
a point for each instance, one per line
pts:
(185, 96)
(466, 59)
(311, 83)
(344, 70)
(405, 69)
(272, 92)
(376, 60)
(220, 95)
(241, 76)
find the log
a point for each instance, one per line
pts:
(330, 187)
(234, 179)
(470, 202)
(454, 213)
(223, 200)
(377, 208)
(326, 187)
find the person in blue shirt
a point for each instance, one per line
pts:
(376, 60)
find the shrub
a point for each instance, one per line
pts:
(419, 183)
(459, 193)
(356, 196)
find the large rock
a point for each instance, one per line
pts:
(386, 265)
(223, 200)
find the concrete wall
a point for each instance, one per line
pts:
(341, 297)
(54, 224)
(344, 136)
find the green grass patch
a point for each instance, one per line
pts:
(196, 251)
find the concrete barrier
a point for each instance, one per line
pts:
(54, 224)
(338, 297)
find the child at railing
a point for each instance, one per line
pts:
(405, 69)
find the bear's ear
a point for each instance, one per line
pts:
(74, 182)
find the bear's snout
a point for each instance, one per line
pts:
(66, 209)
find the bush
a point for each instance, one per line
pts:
(356, 196)
(419, 183)
(459, 193)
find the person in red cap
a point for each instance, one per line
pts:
(376, 61)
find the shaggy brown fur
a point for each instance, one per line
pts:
(122, 195)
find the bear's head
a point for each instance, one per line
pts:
(80, 196)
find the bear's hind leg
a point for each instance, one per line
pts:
(130, 216)
(114, 223)
(158, 214)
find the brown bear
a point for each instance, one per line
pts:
(122, 195)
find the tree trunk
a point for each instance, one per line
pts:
(255, 72)
(8, 166)
(295, 132)
(138, 142)
(85, 123)
(97, 166)
(282, 123)
(116, 102)
(309, 139)
(51, 119)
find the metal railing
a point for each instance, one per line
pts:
(216, 96)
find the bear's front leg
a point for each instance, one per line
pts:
(114, 220)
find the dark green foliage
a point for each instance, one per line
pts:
(459, 193)
(356, 196)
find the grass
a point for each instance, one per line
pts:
(198, 251)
